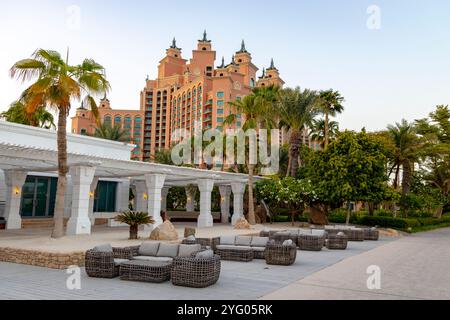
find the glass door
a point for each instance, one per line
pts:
(38, 197)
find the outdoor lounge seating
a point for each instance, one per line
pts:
(147, 271)
(311, 240)
(204, 242)
(352, 233)
(104, 261)
(281, 254)
(371, 234)
(242, 248)
(336, 241)
(197, 271)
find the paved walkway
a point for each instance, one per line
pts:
(238, 280)
(414, 267)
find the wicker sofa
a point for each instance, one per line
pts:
(352, 233)
(195, 271)
(104, 261)
(241, 248)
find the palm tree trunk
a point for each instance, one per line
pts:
(326, 129)
(251, 205)
(294, 143)
(133, 232)
(396, 177)
(58, 217)
(406, 177)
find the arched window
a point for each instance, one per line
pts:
(117, 120)
(107, 120)
(252, 82)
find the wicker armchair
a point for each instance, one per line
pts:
(204, 242)
(195, 273)
(371, 234)
(101, 264)
(336, 242)
(352, 234)
(282, 236)
(278, 254)
(310, 242)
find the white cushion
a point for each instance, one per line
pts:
(104, 248)
(148, 248)
(230, 247)
(118, 262)
(227, 240)
(206, 254)
(186, 250)
(243, 240)
(168, 250)
(149, 258)
(318, 232)
(259, 241)
(287, 242)
(341, 233)
(191, 238)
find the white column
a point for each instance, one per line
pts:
(190, 199)
(238, 201)
(225, 192)
(140, 200)
(79, 222)
(164, 193)
(155, 183)
(123, 195)
(14, 181)
(205, 218)
(91, 200)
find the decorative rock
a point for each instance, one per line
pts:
(242, 224)
(189, 232)
(165, 231)
(389, 232)
(317, 216)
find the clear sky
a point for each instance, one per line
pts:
(401, 70)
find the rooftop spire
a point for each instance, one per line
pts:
(243, 49)
(263, 74)
(272, 65)
(223, 63)
(205, 37)
(174, 44)
(232, 60)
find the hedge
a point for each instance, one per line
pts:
(389, 222)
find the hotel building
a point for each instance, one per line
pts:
(185, 92)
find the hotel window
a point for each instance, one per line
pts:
(238, 98)
(199, 89)
(238, 123)
(219, 111)
(219, 119)
(117, 120)
(107, 120)
(220, 94)
(83, 131)
(220, 103)
(252, 82)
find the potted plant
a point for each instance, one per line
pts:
(134, 219)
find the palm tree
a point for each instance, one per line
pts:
(330, 104)
(406, 142)
(134, 220)
(109, 132)
(297, 109)
(56, 85)
(251, 108)
(17, 113)
(317, 132)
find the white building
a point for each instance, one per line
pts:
(99, 180)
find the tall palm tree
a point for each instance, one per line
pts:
(330, 104)
(317, 132)
(407, 143)
(17, 113)
(109, 132)
(297, 109)
(56, 85)
(251, 108)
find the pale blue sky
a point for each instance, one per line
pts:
(399, 71)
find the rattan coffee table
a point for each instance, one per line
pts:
(147, 271)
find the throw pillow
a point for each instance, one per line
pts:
(187, 249)
(104, 248)
(206, 254)
(168, 250)
(287, 242)
(148, 248)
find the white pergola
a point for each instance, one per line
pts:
(150, 181)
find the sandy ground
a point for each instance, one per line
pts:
(39, 238)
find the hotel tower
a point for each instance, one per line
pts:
(185, 93)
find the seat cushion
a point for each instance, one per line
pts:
(318, 232)
(243, 240)
(103, 248)
(259, 241)
(229, 247)
(186, 250)
(148, 248)
(191, 238)
(206, 254)
(156, 259)
(118, 262)
(287, 242)
(227, 240)
(306, 232)
(168, 250)
(259, 248)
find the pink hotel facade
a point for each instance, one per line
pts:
(184, 93)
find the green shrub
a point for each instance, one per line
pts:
(340, 216)
(383, 213)
(284, 218)
(389, 222)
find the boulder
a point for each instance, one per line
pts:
(189, 232)
(389, 232)
(317, 216)
(165, 231)
(242, 224)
